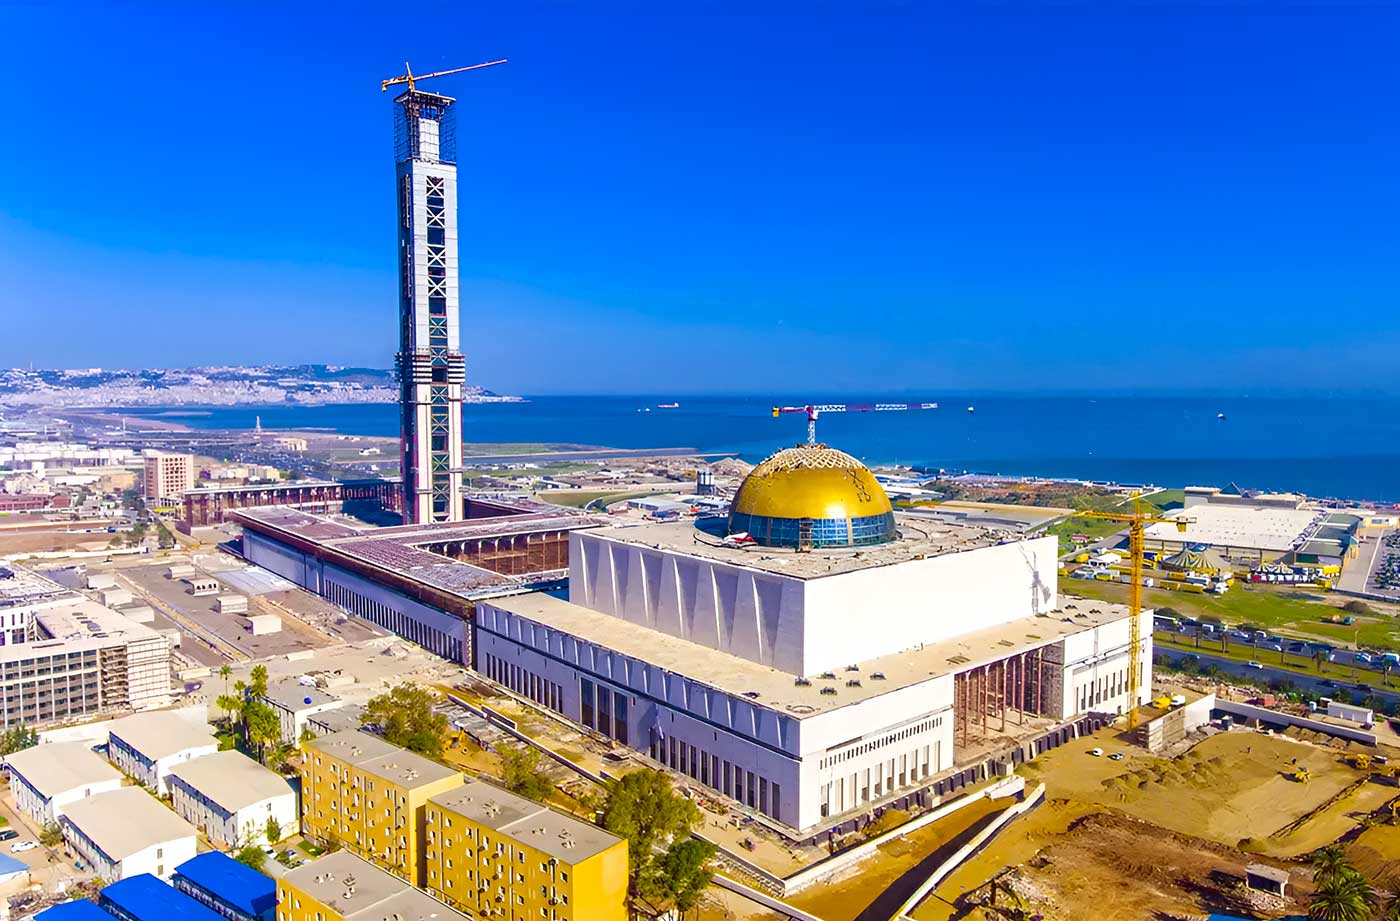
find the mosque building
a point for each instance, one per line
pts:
(816, 654)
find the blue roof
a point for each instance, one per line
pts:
(10, 865)
(231, 882)
(76, 910)
(146, 898)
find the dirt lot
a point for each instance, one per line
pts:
(1147, 835)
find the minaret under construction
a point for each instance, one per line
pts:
(431, 366)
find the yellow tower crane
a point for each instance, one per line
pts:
(1137, 521)
(411, 78)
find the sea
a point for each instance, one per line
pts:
(1345, 447)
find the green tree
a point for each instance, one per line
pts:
(643, 808)
(681, 876)
(51, 835)
(520, 769)
(1390, 908)
(306, 735)
(405, 717)
(1345, 896)
(1330, 862)
(17, 739)
(273, 830)
(261, 726)
(251, 856)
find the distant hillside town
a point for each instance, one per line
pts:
(207, 386)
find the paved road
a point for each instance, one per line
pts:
(1267, 673)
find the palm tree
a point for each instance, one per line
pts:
(224, 672)
(1343, 897)
(1329, 863)
(1390, 908)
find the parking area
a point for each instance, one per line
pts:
(1384, 577)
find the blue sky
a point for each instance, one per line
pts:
(679, 198)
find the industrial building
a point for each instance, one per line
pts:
(418, 581)
(212, 505)
(230, 797)
(234, 891)
(1238, 530)
(68, 658)
(833, 658)
(167, 477)
(485, 848)
(343, 887)
(147, 746)
(45, 778)
(126, 832)
(369, 796)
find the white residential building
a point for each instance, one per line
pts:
(46, 778)
(127, 832)
(295, 704)
(148, 745)
(230, 797)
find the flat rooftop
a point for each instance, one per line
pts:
(291, 694)
(529, 823)
(372, 755)
(359, 891)
(75, 625)
(231, 779)
(1244, 526)
(124, 821)
(919, 538)
(24, 586)
(778, 690)
(61, 766)
(161, 733)
(403, 549)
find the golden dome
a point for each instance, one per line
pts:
(818, 484)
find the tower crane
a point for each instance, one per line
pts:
(815, 409)
(1137, 521)
(411, 78)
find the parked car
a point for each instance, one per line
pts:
(1116, 756)
(1096, 752)
(8, 834)
(21, 846)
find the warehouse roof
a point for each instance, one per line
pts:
(160, 733)
(230, 882)
(61, 766)
(146, 898)
(124, 821)
(231, 779)
(76, 910)
(291, 694)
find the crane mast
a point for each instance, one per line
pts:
(1137, 522)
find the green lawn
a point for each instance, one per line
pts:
(580, 498)
(1097, 529)
(1290, 611)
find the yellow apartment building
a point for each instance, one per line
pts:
(342, 887)
(369, 796)
(498, 856)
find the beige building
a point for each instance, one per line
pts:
(168, 476)
(230, 798)
(342, 887)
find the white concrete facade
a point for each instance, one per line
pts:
(801, 770)
(803, 625)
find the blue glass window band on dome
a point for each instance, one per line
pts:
(825, 532)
